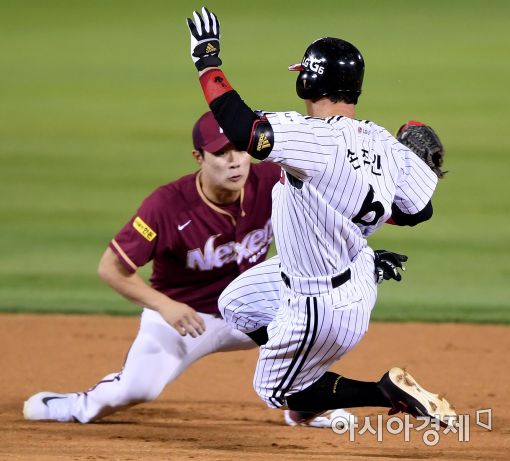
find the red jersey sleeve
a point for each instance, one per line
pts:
(135, 244)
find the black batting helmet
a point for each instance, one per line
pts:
(330, 67)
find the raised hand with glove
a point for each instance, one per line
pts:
(239, 123)
(205, 39)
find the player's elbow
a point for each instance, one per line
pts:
(403, 219)
(103, 270)
(245, 129)
(107, 267)
(426, 213)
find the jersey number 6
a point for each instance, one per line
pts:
(369, 205)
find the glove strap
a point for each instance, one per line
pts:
(208, 61)
(214, 84)
(207, 53)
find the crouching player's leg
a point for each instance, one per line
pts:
(158, 356)
(249, 304)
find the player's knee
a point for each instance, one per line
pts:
(267, 395)
(270, 402)
(131, 395)
(146, 395)
(144, 375)
(299, 401)
(226, 305)
(222, 305)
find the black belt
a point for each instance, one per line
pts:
(336, 280)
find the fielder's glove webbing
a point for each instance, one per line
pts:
(425, 143)
(387, 264)
(205, 39)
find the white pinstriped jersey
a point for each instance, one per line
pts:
(342, 176)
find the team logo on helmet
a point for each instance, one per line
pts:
(313, 64)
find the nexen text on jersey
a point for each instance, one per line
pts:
(253, 245)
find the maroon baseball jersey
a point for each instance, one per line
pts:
(197, 247)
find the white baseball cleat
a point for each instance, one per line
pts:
(326, 419)
(48, 406)
(408, 396)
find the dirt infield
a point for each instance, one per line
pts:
(212, 413)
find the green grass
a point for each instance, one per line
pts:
(97, 100)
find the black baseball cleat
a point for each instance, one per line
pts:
(406, 395)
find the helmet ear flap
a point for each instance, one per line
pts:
(307, 86)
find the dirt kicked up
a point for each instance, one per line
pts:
(212, 413)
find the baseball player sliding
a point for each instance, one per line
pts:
(343, 178)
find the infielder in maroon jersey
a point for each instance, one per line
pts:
(200, 232)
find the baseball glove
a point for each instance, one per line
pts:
(425, 143)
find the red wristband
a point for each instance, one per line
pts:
(214, 84)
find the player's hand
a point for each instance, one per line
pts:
(387, 264)
(184, 319)
(205, 39)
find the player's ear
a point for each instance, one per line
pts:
(198, 155)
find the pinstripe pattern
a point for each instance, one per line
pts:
(293, 368)
(309, 334)
(313, 227)
(251, 301)
(349, 173)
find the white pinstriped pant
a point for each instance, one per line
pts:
(252, 300)
(308, 331)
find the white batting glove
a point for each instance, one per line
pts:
(205, 39)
